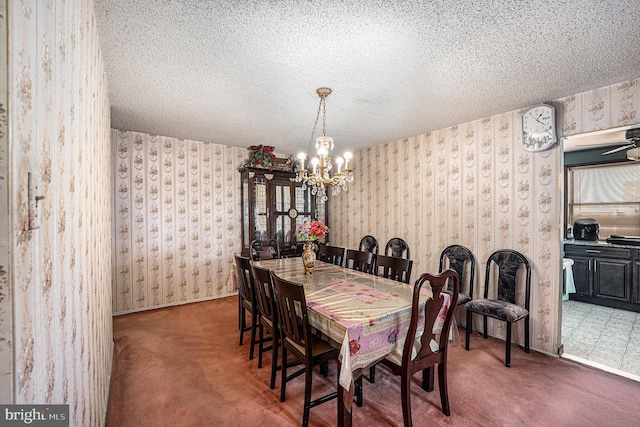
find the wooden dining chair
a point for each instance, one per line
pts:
(359, 260)
(247, 300)
(461, 260)
(398, 269)
(421, 352)
(298, 339)
(504, 307)
(267, 318)
(262, 250)
(397, 247)
(331, 254)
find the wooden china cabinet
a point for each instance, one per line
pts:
(273, 204)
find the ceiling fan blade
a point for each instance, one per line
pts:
(615, 150)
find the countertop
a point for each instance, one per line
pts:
(597, 243)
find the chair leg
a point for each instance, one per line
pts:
(372, 374)
(324, 369)
(507, 361)
(468, 329)
(260, 345)
(428, 378)
(442, 381)
(405, 390)
(484, 320)
(283, 382)
(308, 375)
(243, 323)
(254, 326)
(274, 360)
(526, 334)
(240, 312)
(358, 392)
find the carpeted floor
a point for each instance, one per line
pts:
(182, 366)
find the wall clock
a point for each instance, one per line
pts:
(539, 128)
(293, 213)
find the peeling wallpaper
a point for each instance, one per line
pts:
(61, 272)
(176, 219)
(472, 184)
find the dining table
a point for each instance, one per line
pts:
(364, 315)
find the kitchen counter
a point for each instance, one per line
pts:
(599, 243)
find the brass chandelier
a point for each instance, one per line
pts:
(319, 178)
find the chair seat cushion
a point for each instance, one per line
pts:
(497, 309)
(462, 298)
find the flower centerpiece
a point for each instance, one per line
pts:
(261, 156)
(309, 232)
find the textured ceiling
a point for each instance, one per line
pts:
(244, 72)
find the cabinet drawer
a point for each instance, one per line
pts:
(596, 251)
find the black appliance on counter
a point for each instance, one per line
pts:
(586, 229)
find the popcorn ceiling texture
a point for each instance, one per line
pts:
(240, 72)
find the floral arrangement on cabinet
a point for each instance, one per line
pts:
(261, 156)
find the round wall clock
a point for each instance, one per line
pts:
(539, 128)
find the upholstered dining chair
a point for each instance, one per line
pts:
(398, 269)
(262, 250)
(267, 318)
(369, 244)
(298, 339)
(359, 260)
(398, 248)
(247, 300)
(421, 352)
(331, 254)
(457, 258)
(505, 306)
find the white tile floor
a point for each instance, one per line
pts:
(603, 335)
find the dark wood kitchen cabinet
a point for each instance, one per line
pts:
(636, 277)
(273, 205)
(604, 275)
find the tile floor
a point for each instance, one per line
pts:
(606, 336)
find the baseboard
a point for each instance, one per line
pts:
(172, 304)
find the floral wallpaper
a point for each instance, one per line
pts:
(61, 273)
(176, 223)
(6, 362)
(472, 184)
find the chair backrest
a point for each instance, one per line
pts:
(368, 244)
(458, 256)
(331, 254)
(245, 278)
(397, 247)
(292, 312)
(431, 312)
(359, 260)
(508, 262)
(398, 269)
(262, 250)
(264, 293)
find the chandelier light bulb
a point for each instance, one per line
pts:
(322, 152)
